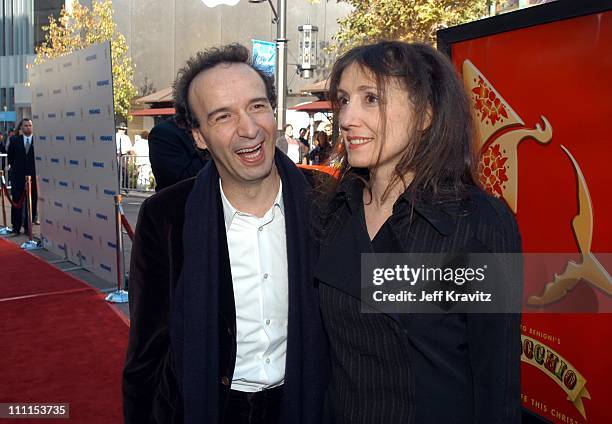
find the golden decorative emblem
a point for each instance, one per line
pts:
(501, 130)
(589, 269)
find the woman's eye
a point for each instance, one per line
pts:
(342, 101)
(372, 98)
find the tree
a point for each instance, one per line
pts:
(415, 20)
(82, 27)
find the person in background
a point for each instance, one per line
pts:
(295, 150)
(22, 163)
(141, 150)
(124, 150)
(173, 154)
(124, 143)
(303, 137)
(3, 150)
(409, 187)
(320, 153)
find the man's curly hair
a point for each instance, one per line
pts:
(202, 61)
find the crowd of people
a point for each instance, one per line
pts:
(299, 150)
(133, 156)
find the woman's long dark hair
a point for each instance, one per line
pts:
(441, 157)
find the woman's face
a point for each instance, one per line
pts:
(361, 119)
(321, 139)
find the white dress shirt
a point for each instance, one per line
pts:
(27, 143)
(258, 259)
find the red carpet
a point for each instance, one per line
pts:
(60, 342)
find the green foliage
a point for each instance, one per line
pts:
(83, 27)
(414, 20)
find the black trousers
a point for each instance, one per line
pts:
(19, 216)
(254, 408)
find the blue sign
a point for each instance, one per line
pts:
(9, 116)
(264, 55)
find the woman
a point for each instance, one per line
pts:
(409, 187)
(320, 153)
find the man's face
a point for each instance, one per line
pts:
(236, 122)
(26, 128)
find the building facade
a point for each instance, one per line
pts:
(21, 23)
(163, 34)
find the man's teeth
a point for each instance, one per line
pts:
(242, 151)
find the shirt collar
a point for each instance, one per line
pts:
(229, 211)
(433, 212)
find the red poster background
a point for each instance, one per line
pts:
(563, 71)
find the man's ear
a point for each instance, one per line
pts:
(199, 138)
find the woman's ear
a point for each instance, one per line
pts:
(199, 138)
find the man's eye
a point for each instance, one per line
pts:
(223, 117)
(259, 106)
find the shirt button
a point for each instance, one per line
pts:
(267, 360)
(260, 229)
(265, 276)
(267, 322)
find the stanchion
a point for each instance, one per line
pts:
(4, 230)
(119, 295)
(31, 244)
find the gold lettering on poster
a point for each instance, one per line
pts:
(559, 369)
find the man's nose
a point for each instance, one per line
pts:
(247, 127)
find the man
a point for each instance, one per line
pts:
(3, 150)
(173, 155)
(124, 151)
(225, 326)
(124, 144)
(22, 163)
(303, 137)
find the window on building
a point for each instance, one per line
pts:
(11, 99)
(42, 10)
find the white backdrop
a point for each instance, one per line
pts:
(73, 117)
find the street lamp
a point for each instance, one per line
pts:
(280, 19)
(308, 49)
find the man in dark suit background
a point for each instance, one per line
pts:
(173, 154)
(225, 326)
(3, 149)
(21, 161)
